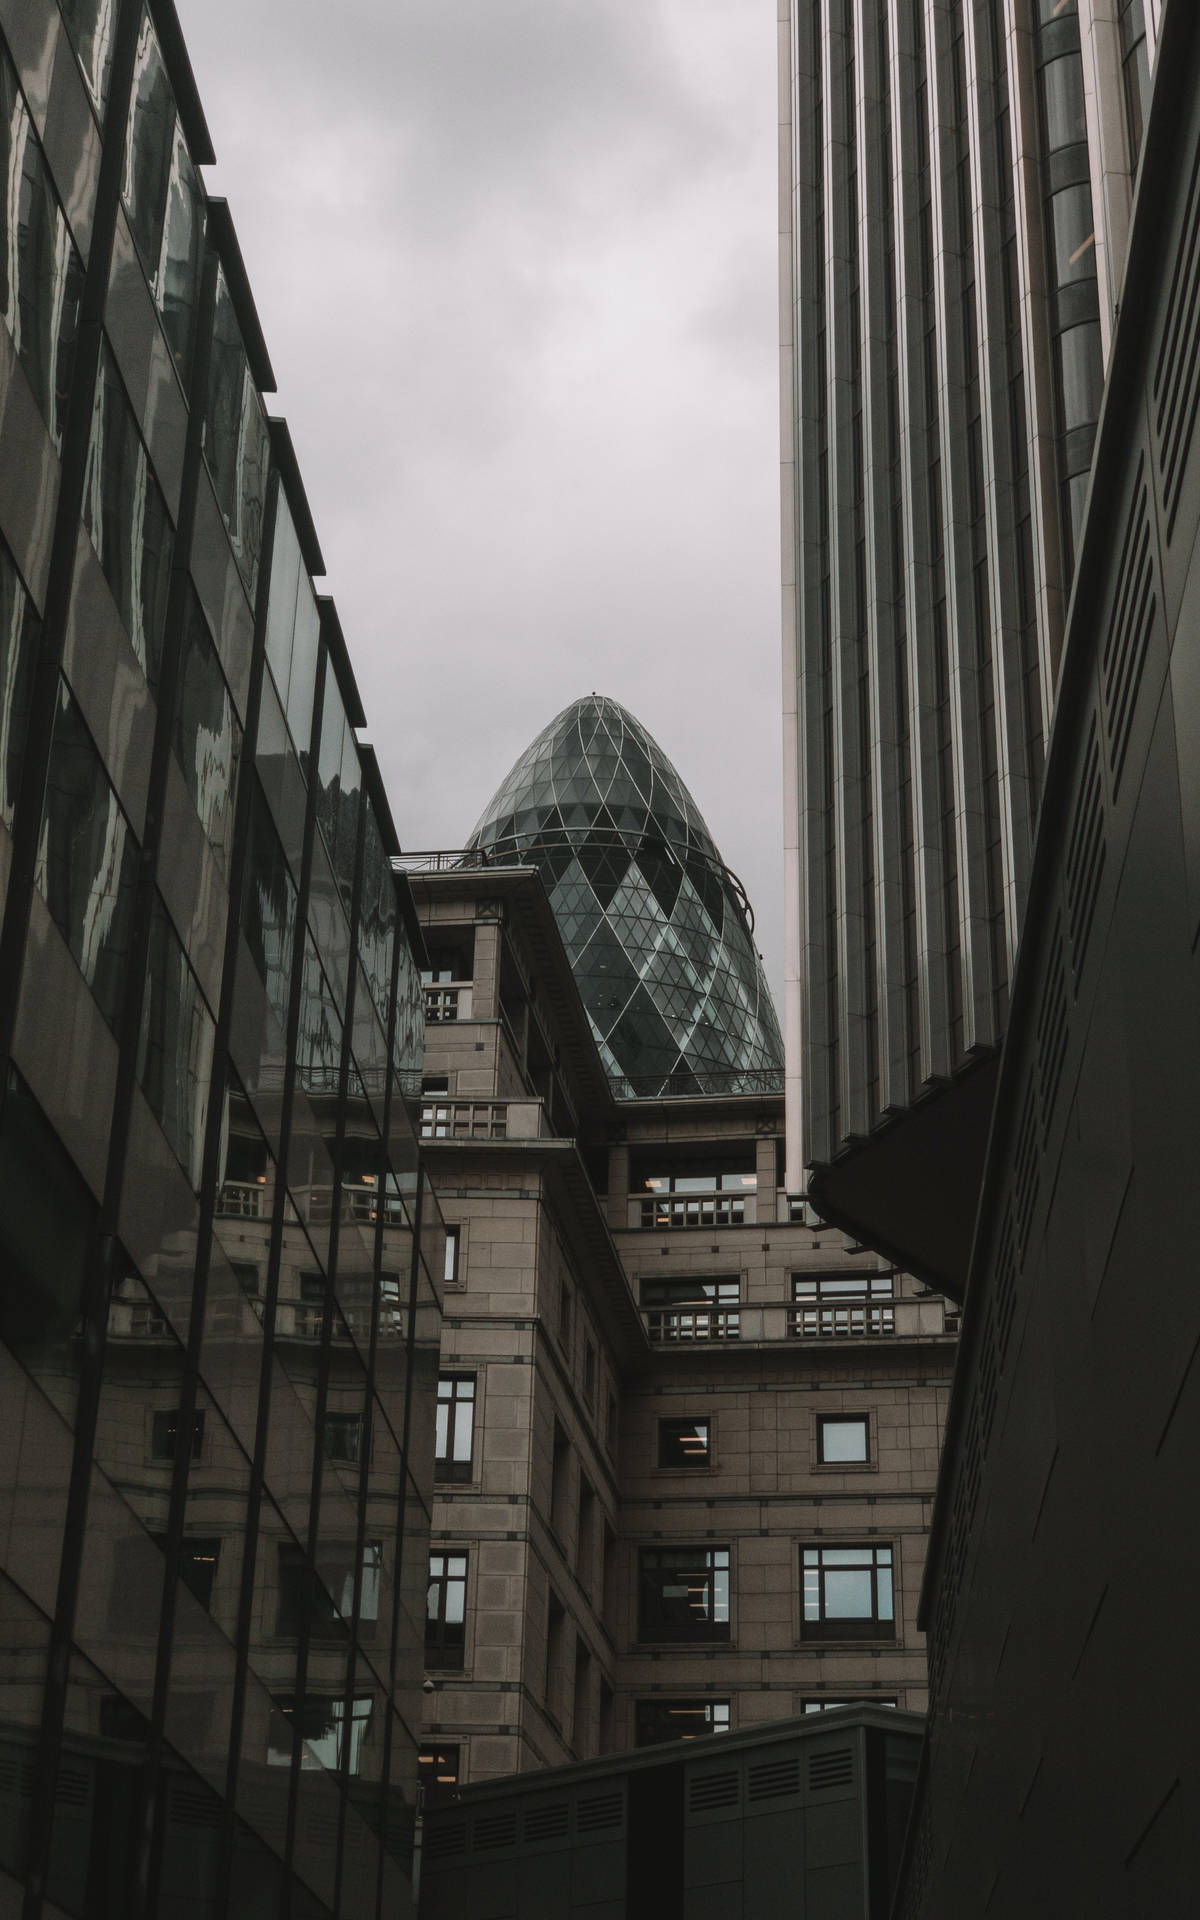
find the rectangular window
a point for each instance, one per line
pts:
(451, 1262)
(236, 446)
(446, 1610)
(87, 860)
(722, 1291)
(863, 1700)
(843, 1438)
(564, 1314)
(589, 1371)
(208, 737)
(692, 1309)
(848, 1593)
(438, 1770)
(198, 1564)
(455, 1426)
(683, 1593)
(126, 516)
(320, 1720)
(175, 1054)
(842, 1305)
(342, 1437)
(659, 1720)
(165, 1430)
(41, 276)
(684, 1443)
(326, 1594)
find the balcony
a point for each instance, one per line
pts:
(692, 1210)
(483, 1120)
(845, 1322)
(896, 1321)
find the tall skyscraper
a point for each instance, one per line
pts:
(956, 187)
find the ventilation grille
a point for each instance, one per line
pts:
(73, 1787)
(602, 1810)
(1085, 854)
(707, 1791)
(495, 1830)
(831, 1769)
(773, 1778)
(1052, 1029)
(1124, 655)
(16, 1777)
(190, 1808)
(445, 1839)
(545, 1823)
(1177, 373)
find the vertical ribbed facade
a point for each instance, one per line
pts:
(955, 191)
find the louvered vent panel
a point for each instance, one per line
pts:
(73, 1787)
(1124, 656)
(1177, 373)
(1085, 854)
(1026, 1165)
(771, 1779)
(190, 1808)
(444, 1839)
(494, 1830)
(831, 1769)
(707, 1791)
(16, 1777)
(600, 1811)
(1052, 1029)
(545, 1823)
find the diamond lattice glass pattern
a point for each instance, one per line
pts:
(655, 926)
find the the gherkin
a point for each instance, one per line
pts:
(657, 929)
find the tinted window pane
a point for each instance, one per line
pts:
(270, 915)
(87, 859)
(124, 512)
(148, 148)
(207, 735)
(178, 287)
(90, 24)
(19, 628)
(41, 279)
(319, 1040)
(843, 1439)
(175, 1061)
(235, 437)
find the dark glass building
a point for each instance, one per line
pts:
(219, 1266)
(657, 929)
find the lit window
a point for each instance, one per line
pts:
(684, 1443)
(843, 1438)
(848, 1593)
(683, 1593)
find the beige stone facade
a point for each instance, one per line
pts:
(583, 1316)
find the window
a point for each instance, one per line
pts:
(342, 1437)
(198, 1562)
(589, 1371)
(610, 1422)
(585, 1534)
(449, 959)
(863, 1700)
(176, 1049)
(839, 1305)
(326, 1595)
(455, 1426)
(564, 1314)
(451, 1262)
(19, 630)
(683, 1593)
(236, 447)
(659, 1720)
(723, 1291)
(41, 276)
(438, 1769)
(843, 1438)
(320, 1720)
(692, 1309)
(165, 1429)
(556, 1615)
(446, 1610)
(684, 1443)
(848, 1593)
(207, 734)
(701, 1193)
(126, 516)
(559, 1463)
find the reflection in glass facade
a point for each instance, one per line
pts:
(656, 927)
(220, 1266)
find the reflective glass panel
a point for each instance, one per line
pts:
(126, 516)
(208, 737)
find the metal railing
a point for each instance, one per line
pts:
(694, 1210)
(689, 1323)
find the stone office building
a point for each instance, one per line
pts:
(220, 1271)
(687, 1434)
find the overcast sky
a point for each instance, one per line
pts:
(515, 262)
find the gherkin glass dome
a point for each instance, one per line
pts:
(657, 929)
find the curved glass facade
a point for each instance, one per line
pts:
(657, 929)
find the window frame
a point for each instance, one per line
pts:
(681, 1704)
(850, 1465)
(652, 1627)
(683, 1464)
(829, 1557)
(448, 1470)
(446, 1652)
